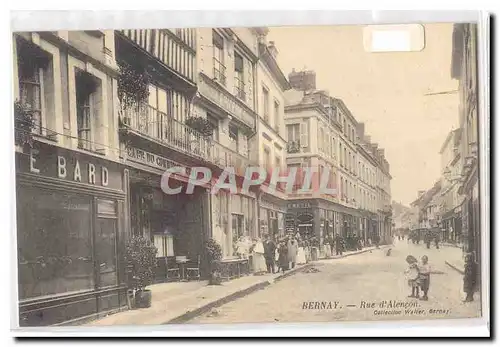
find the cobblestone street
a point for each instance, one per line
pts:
(364, 280)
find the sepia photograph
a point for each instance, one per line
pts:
(223, 175)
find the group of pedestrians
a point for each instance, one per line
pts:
(284, 254)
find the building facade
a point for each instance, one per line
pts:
(323, 135)
(451, 226)
(161, 65)
(269, 145)
(227, 97)
(71, 186)
(464, 69)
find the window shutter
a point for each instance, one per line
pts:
(304, 135)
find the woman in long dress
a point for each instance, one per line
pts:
(301, 254)
(258, 259)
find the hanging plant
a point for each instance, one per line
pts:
(133, 84)
(24, 123)
(201, 125)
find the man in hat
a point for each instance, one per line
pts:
(269, 253)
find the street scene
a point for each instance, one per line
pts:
(361, 280)
(259, 174)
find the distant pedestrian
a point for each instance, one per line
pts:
(293, 249)
(470, 277)
(339, 244)
(424, 276)
(269, 253)
(283, 262)
(436, 241)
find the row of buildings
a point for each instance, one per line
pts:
(451, 205)
(112, 110)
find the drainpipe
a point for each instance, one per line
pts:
(257, 136)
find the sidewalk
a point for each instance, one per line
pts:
(178, 302)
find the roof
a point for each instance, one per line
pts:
(428, 195)
(273, 67)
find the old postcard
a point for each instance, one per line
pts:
(248, 175)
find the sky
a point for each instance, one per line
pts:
(386, 91)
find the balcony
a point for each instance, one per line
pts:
(219, 72)
(293, 146)
(158, 126)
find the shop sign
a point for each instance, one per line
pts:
(305, 217)
(150, 159)
(299, 205)
(56, 162)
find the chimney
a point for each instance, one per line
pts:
(361, 130)
(272, 49)
(381, 152)
(368, 139)
(302, 80)
(420, 193)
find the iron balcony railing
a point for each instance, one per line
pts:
(239, 89)
(293, 146)
(159, 126)
(219, 72)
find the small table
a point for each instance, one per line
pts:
(182, 266)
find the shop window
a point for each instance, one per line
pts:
(54, 243)
(237, 229)
(165, 245)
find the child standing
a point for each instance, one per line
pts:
(424, 276)
(412, 276)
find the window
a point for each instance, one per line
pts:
(277, 117)
(155, 117)
(341, 156)
(267, 158)
(86, 98)
(237, 230)
(218, 49)
(30, 89)
(54, 243)
(352, 135)
(277, 162)
(233, 138)
(293, 132)
(239, 81)
(215, 125)
(321, 137)
(265, 102)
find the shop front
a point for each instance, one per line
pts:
(272, 216)
(321, 218)
(70, 235)
(177, 224)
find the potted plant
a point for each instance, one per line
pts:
(201, 125)
(214, 255)
(24, 123)
(140, 256)
(133, 88)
